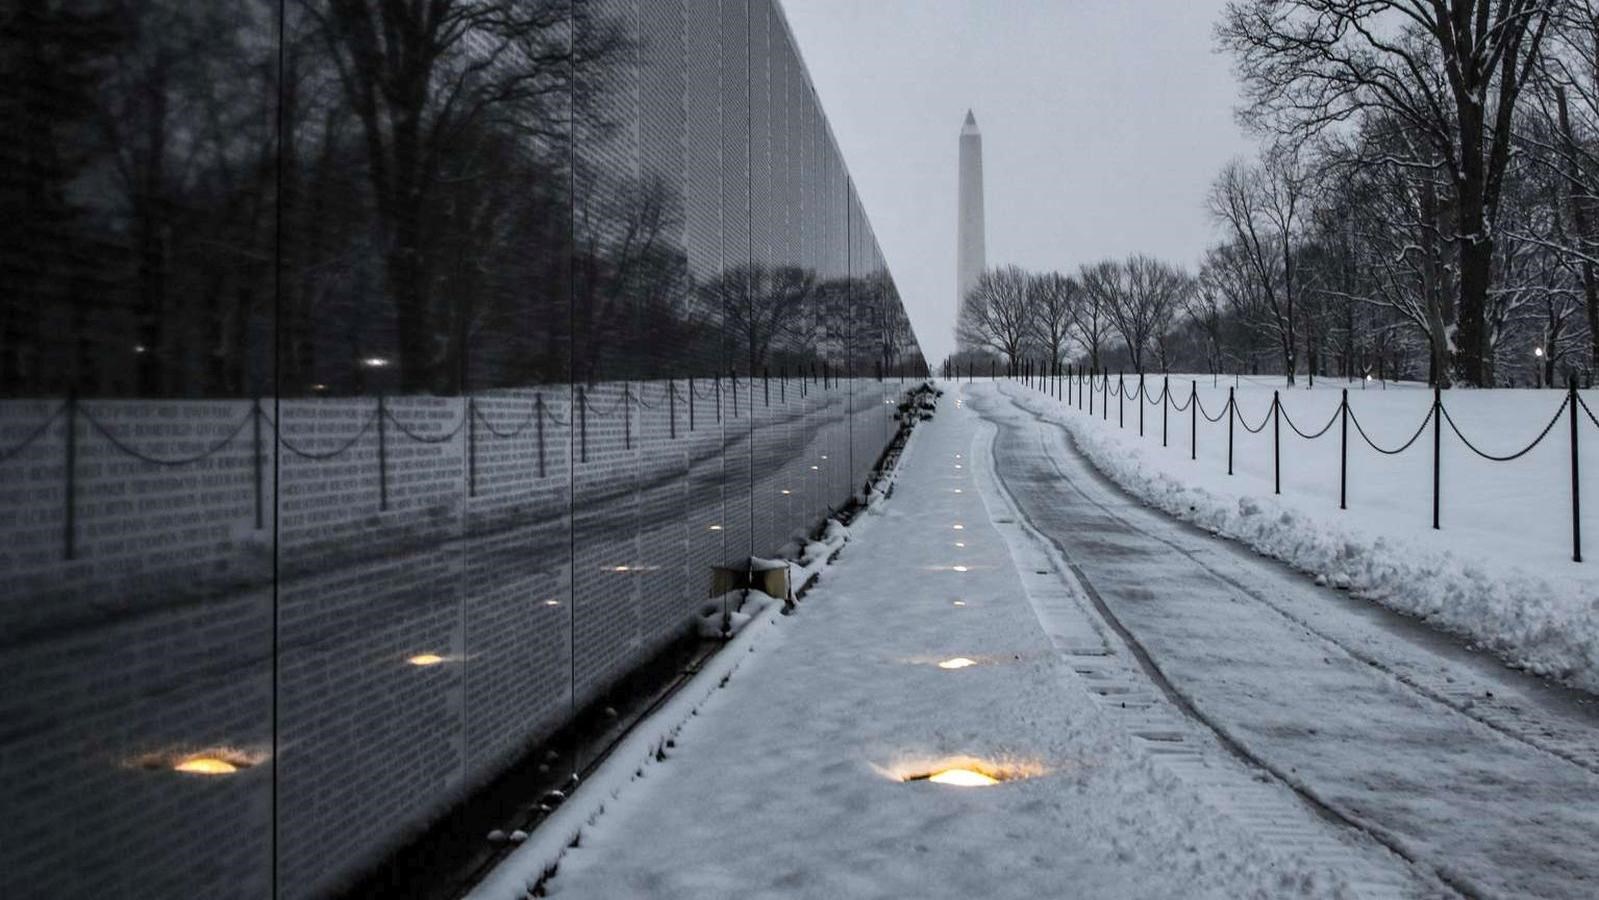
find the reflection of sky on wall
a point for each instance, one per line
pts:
(1093, 146)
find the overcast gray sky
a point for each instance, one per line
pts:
(1103, 124)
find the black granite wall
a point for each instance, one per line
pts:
(379, 382)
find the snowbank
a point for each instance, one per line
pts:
(1547, 624)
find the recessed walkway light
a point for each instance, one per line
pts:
(205, 765)
(621, 569)
(425, 659)
(960, 568)
(552, 603)
(959, 491)
(816, 468)
(958, 527)
(962, 778)
(960, 602)
(960, 543)
(785, 492)
(959, 662)
(716, 528)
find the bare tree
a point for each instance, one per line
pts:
(1452, 70)
(1143, 295)
(1091, 318)
(1052, 297)
(997, 315)
(1260, 208)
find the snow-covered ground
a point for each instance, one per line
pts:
(1498, 571)
(1484, 777)
(787, 779)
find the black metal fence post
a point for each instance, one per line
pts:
(1343, 451)
(383, 454)
(1193, 420)
(1232, 413)
(260, 501)
(70, 493)
(1576, 492)
(538, 417)
(1165, 404)
(1438, 450)
(1090, 394)
(1121, 394)
(1104, 399)
(1140, 404)
(1276, 444)
(583, 423)
(471, 450)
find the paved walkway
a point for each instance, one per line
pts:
(788, 782)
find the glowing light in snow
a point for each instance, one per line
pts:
(622, 569)
(959, 527)
(716, 528)
(425, 659)
(962, 778)
(959, 662)
(960, 543)
(959, 491)
(959, 568)
(552, 603)
(824, 456)
(816, 468)
(374, 362)
(785, 491)
(205, 765)
(960, 602)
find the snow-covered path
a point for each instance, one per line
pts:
(787, 783)
(1483, 776)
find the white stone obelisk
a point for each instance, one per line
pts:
(971, 253)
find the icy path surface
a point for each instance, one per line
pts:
(786, 782)
(1482, 776)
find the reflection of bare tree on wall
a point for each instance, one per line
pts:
(51, 58)
(774, 315)
(179, 173)
(632, 283)
(437, 88)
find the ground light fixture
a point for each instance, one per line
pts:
(960, 602)
(211, 761)
(959, 662)
(425, 659)
(716, 528)
(960, 543)
(963, 771)
(960, 568)
(205, 765)
(961, 778)
(958, 527)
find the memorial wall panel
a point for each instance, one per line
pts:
(374, 396)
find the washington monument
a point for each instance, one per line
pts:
(971, 254)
